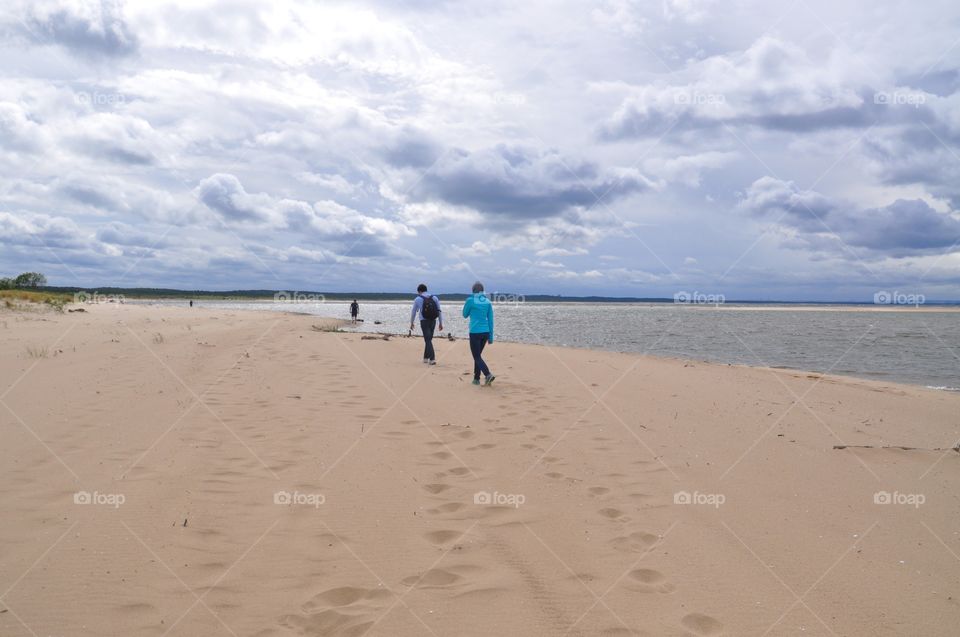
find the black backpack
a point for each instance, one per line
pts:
(430, 310)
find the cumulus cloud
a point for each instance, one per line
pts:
(325, 221)
(902, 228)
(510, 182)
(19, 133)
(224, 194)
(773, 84)
(88, 27)
(39, 230)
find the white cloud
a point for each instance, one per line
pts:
(239, 143)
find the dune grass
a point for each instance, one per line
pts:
(15, 299)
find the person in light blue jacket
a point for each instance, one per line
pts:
(479, 310)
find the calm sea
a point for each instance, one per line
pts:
(909, 346)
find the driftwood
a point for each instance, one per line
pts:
(902, 448)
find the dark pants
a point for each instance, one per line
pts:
(477, 342)
(427, 326)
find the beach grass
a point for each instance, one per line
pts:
(15, 299)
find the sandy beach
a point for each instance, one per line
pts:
(195, 472)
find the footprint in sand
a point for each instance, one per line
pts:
(459, 471)
(700, 624)
(449, 507)
(636, 542)
(444, 536)
(434, 578)
(483, 447)
(648, 581)
(612, 514)
(598, 490)
(435, 488)
(346, 611)
(442, 455)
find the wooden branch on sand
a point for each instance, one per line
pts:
(956, 448)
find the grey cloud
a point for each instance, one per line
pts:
(772, 85)
(412, 149)
(121, 234)
(917, 156)
(93, 29)
(40, 230)
(520, 183)
(18, 132)
(89, 196)
(347, 230)
(117, 138)
(902, 228)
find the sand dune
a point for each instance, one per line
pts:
(189, 472)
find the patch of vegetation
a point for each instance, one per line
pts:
(37, 352)
(54, 300)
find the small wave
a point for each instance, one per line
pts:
(943, 388)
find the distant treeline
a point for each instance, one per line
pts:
(307, 296)
(291, 294)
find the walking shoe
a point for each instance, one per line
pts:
(426, 360)
(433, 362)
(490, 380)
(476, 381)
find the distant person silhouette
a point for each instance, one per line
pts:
(428, 307)
(479, 310)
(354, 311)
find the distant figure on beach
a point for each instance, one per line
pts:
(354, 311)
(428, 306)
(479, 310)
(191, 302)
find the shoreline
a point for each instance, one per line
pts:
(760, 306)
(675, 359)
(345, 323)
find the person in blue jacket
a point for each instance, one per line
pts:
(479, 310)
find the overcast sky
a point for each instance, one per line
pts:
(758, 149)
